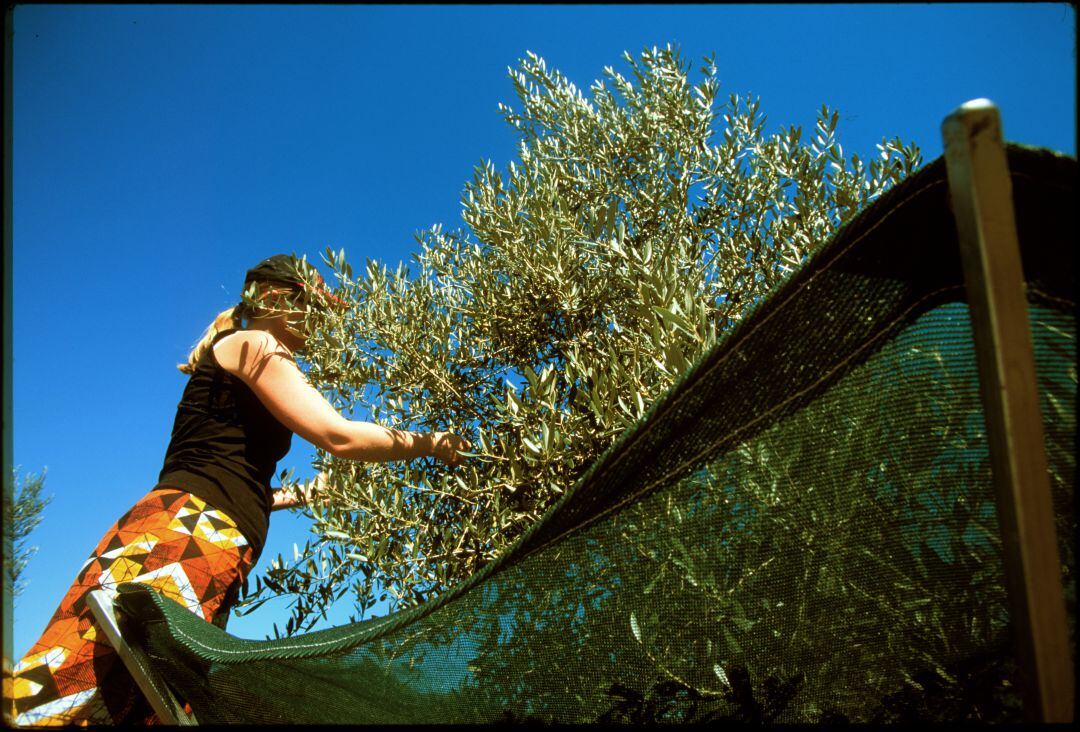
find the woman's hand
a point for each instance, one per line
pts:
(445, 446)
(300, 494)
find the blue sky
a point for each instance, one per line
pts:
(160, 151)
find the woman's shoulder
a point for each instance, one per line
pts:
(241, 348)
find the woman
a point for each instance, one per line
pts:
(198, 532)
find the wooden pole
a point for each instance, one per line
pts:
(981, 194)
(165, 706)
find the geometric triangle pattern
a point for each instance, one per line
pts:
(170, 540)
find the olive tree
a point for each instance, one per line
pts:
(639, 223)
(24, 510)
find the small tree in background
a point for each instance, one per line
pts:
(638, 225)
(25, 509)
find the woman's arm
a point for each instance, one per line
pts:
(262, 363)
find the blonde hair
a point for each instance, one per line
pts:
(225, 320)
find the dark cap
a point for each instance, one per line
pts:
(280, 269)
(288, 271)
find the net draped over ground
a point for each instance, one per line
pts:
(802, 529)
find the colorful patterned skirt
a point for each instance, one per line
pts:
(169, 540)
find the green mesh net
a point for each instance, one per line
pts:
(802, 530)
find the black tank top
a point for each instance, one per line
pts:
(225, 447)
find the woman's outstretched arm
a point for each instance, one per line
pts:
(261, 362)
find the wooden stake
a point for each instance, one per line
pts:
(165, 706)
(981, 192)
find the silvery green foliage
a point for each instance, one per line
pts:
(24, 509)
(639, 223)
